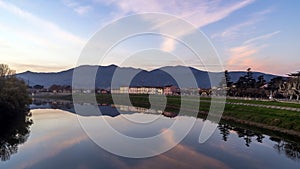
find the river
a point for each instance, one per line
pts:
(54, 138)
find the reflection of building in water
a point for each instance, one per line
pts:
(170, 114)
(145, 110)
(137, 109)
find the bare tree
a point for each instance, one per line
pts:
(5, 71)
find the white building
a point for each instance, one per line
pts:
(124, 90)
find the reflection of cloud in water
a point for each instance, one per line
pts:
(234, 150)
(46, 144)
(140, 118)
(54, 147)
(180, 156)
(189, 158)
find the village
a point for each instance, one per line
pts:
(154, 90)
(246, 87)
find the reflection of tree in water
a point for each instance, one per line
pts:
(290, 149)
(225, 130)
(54, 104)
(13, 134)
(242, 133)
(61, 105)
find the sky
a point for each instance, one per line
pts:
(49, 36)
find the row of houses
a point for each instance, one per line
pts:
(167, 90)
(154, 90)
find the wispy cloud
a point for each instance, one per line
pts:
(37, 68)
(242, 29)
(242, 55)
(262, 37)
(46, 26)
(235, 31)
(25, 35)
(168, 45)
(247, 54)
(199, 13)
(77, 7)
(211, 12)
(201, 16)
(40, 42)
(81, 10)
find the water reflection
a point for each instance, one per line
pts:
(124, 108)
(12, 135)
(105, 108)
(247, 135)
(291, 150)
(288, 148)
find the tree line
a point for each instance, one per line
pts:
(277, 87)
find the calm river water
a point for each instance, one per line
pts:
(55, 139)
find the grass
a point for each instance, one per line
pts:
(273, 117)
(260, 102)
(265, 117)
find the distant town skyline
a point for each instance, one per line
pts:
(262, 35)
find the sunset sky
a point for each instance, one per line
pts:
(47, 36)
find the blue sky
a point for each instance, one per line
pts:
(49, 35)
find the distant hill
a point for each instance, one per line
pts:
(157, 77)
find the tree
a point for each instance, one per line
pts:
(228, 79)
(250, 81)
(294, 85)
(14, 99)
(274, 85)
(225, 82)
(38, 87)
(260, 81)
(55, 88)
(247, 86)
(5, 71)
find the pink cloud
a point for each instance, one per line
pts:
(199, 13)
(249, 54)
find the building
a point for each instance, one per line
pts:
(134, 90)
(145, 90)
(102, 91)
(190, 91)
(167, 90)
(115, 91)
(155, 90)
(171, 90)
(124, 90)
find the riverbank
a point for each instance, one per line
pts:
(270, 115)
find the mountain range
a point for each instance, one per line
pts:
(157, 77)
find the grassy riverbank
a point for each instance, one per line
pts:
(248, 112)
